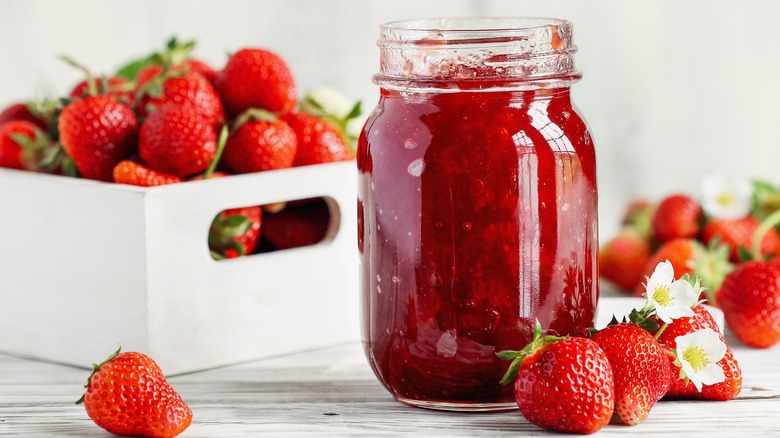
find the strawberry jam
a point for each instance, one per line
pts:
(477, 210)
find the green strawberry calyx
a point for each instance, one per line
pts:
(224, 231)
(330, 105)
(95, 368)
(517, 357)
(253, 114)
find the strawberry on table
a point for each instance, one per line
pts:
(260, 141)
(562, 384)
(622, 259)
(727, 389)
(738, 233)
(98, 132)
(750, 299)
(256, 78)
(689, 256)
(129, 395)
(640, 367)
(178, 140)
(677, 216)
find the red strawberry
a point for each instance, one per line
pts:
(98, 132)
(688, 256)
(21, 111)
(562, 384)
(256, 78)
(676, 216)
(202, 68)
(261, 141)
(118, 87)
(157, 88)
(622, 259)
(750, 299)
(319, 141)
(640, 367)
(739, 232)
(22, 145)
(129, 172)
(235, 232)
(639, 215)
(726, 390)
(297, 224)
(176, 139)
(129, 395)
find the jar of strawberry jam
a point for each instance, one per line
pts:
(477, 206)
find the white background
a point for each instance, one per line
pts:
(672, 90)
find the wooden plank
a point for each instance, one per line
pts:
(332, 392)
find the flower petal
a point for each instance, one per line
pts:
(711, 374)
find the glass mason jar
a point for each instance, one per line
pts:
(477, 205)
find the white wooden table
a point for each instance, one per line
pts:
(332, 392)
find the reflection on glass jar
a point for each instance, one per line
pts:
(477, 205)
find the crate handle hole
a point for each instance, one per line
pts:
(256, 230)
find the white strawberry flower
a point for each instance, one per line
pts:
(671, 299)
(726, 198)
(698, 354)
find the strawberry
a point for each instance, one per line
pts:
(22, 145)
(739, 233)
(750, 299)
(117, 87)
(22, 111)
(562, 384)
(689, 256)
(679, 388)
(319, 141)
(128, 394)
(129, 172)
(677, 216)
(235, 232)
(260, 141)
(97, 132)
(256, 78)
(178, 140)
(202, 68)
(297, 224)
(640, 367)
(157, 87)
(622, 259)
(639, 215)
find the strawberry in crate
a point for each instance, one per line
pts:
(729, 239)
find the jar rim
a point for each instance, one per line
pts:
(474, 24)
(519, 52)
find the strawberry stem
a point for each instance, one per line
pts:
(771, 220)
(92, 89)
(223, 136)
(661, 330)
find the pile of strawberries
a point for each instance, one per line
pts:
(671, 348)
(729, 238)
(169, 117)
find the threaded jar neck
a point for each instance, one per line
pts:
(476, 54)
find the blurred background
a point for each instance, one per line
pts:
(672, 90)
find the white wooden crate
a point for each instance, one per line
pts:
(85, 266)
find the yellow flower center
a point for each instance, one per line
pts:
(696, 357)
(725, 199)
(662, 295)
